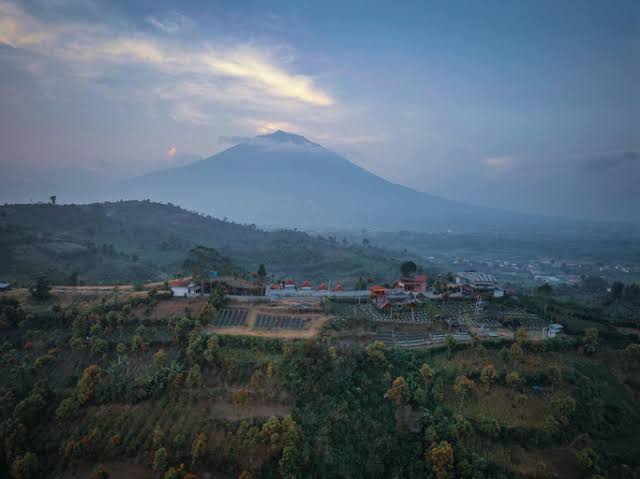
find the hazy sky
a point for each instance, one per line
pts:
(526, 105)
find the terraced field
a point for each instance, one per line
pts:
(267, 321)
(231, 318)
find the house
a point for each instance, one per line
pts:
(413, 284)
(377, 291)
(306, 286)
(478, 284)
(275, 286)
(322, 287)
(290, 284)
(5, 286)
(554, 329)
(184, 288)
(338, 288)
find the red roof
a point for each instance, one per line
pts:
(306, 284)
(322, 287)
(290, 281)
(275, 286)
(338, 287)
(179, 283)
(377, 289)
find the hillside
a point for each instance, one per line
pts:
(140, 240)
(286, 180)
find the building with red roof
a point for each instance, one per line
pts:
(306, 286)
(413, 284)
(338, 287)
(322, 287)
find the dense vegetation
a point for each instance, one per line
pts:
(129, 241)
(89, 383)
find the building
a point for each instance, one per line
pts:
(478, 284)
(338, 288)
(323, 287)
(5, 286)
(184, 288)
(413, 284)
(554, 329)
(306, 286)
(290, 284)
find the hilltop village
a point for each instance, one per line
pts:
(410, 312)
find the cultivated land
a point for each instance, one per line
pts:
(96, 376)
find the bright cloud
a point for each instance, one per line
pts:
(202, 71)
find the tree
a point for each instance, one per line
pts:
(194, 377)
(160, 460)
(290, 463)
(590, 341)
(516, 351)
(521, 336)
(157, 437)
(218, 297)
(450, 342)
(68, 408)
(587, 460)
(100, 473)
(26, 467)
(262, 273)
(399, 392)
(211, 351)
(440, 458)
(53, 198)
(426, 373)
(375, 351)
(463, 387)
(198, 447)
(554, 373)
(160, 358)
(408, 268)
(562, 407)
(240, 398)
(206, 314)
(513, 379)
(488, 375)
(41, 290)
(88, 381)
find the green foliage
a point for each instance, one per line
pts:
(590, 341)
(41, 290)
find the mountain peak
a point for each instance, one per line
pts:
(286, 137)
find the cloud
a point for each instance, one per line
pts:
(187, 113)
(613, 161)
(172, 23)
(171, 152)
(209, 72)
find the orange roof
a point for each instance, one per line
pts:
(275, 286)
(322, 287)
(338, 287)
(376, 288)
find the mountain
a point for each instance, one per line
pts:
(140, 241)
(284, 179)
